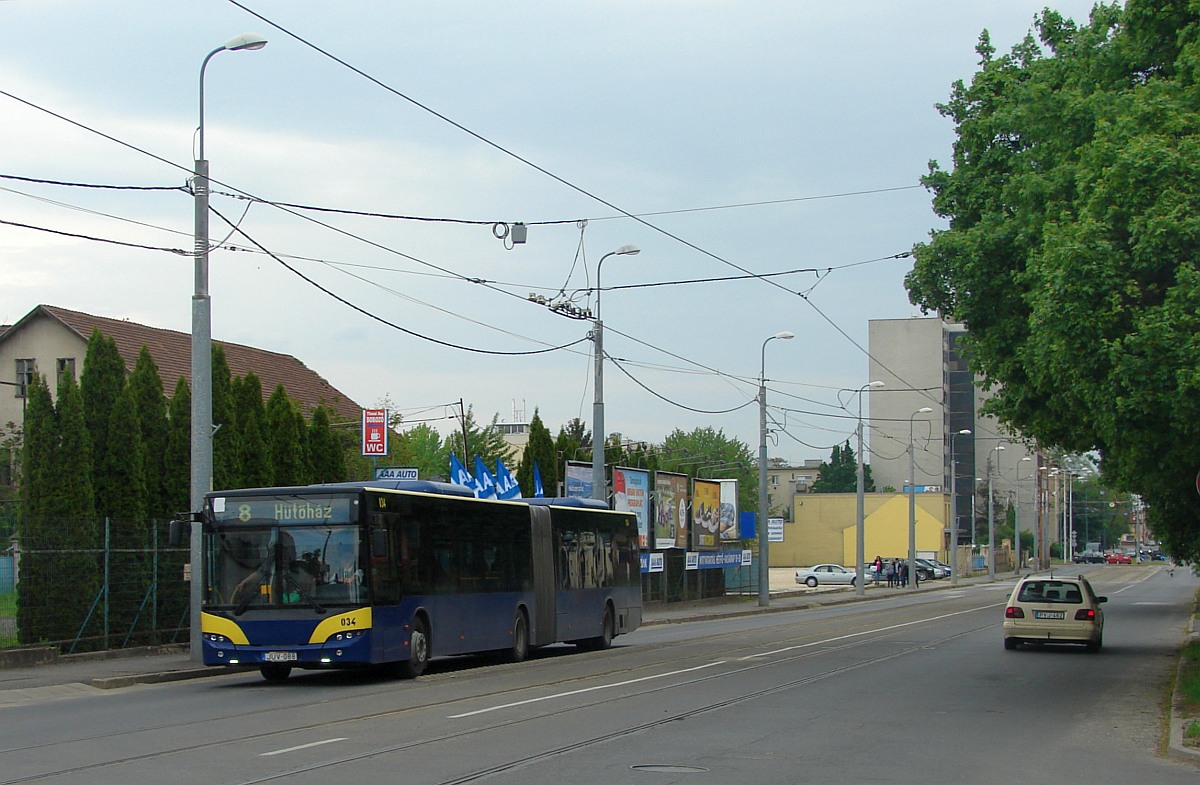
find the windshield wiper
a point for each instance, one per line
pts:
(287, 577)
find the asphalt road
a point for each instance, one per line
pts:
(907, 689)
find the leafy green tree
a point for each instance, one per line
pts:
(37, 489)
(539, 451)
(487, 442)
(227, 451)
(172, 593)
(328, 459)
(177, 464)
(128, 533)
(100, 384)
(249, 418)
(151, 404)
(573, 443)
(60, 573)
(421, 446)
(1070, 256)
(285, 440)
(708, 452)
(840, 473)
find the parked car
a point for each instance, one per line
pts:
(832, 574)
(1089, 557)
(1054, 610)
(933, 569)
(1118, 557)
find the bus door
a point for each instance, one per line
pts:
(545, 611)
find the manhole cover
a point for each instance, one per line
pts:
(668, 768)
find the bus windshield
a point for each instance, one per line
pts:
(254, 567)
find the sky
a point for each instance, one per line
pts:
(765, 158)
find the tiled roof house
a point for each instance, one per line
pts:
(50, 339)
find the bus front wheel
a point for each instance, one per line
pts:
(520, 639)
(275, 672)
(418, 651)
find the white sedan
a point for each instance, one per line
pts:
(832, 574)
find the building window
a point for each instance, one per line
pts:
(25, 369)
(65, 366)
(774, 479)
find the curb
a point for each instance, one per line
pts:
(1175, 745)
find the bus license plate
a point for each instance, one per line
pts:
(1049, 615)
(279, 656)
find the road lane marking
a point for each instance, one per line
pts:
(300, 747)
(875, 631)
(581, 691)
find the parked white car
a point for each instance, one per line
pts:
(831, 574)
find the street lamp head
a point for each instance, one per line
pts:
(964, 432)
(999, 446)
(875, 384)
(628, 250)
(924, 409)
(245, 42)
(786, 335)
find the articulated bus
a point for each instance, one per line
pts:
(392, 573)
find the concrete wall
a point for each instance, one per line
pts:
(825, 528)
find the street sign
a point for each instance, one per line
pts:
(397, 473)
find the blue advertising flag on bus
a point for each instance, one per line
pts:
(538, 491)
(459, 473)
(485, 484)
(506, 484)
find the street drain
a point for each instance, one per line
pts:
(668, 768)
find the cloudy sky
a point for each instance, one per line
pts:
(782, 139)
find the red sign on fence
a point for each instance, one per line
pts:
(374, 432)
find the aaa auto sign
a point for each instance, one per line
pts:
(374, 432)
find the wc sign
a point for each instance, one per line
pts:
(374, 432)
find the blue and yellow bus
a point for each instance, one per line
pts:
(392, 573)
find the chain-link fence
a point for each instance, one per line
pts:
(87, 586)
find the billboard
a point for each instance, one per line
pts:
(706, 514)
(374, 432)
(670, 520)
(728, 528)
(631, 493)
(578, 480)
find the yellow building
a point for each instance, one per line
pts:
(824, 528)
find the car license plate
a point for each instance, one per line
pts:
(1049, 615)
(290, 656)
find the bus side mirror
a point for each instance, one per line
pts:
(379, 542)
(179, 533)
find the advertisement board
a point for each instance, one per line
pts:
(631, 493)
(671, 510)
(730, 531)
(578, 480)
(706, 514)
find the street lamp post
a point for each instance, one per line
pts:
(991, 514)
(599, 484)
(1017, 517)
(764, 562)
(954, 507)
(860, 587)
(912, 501)
(201, 435)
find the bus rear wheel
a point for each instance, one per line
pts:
(275, 672)
(520, 639)
(418, 652)
(605, 638)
